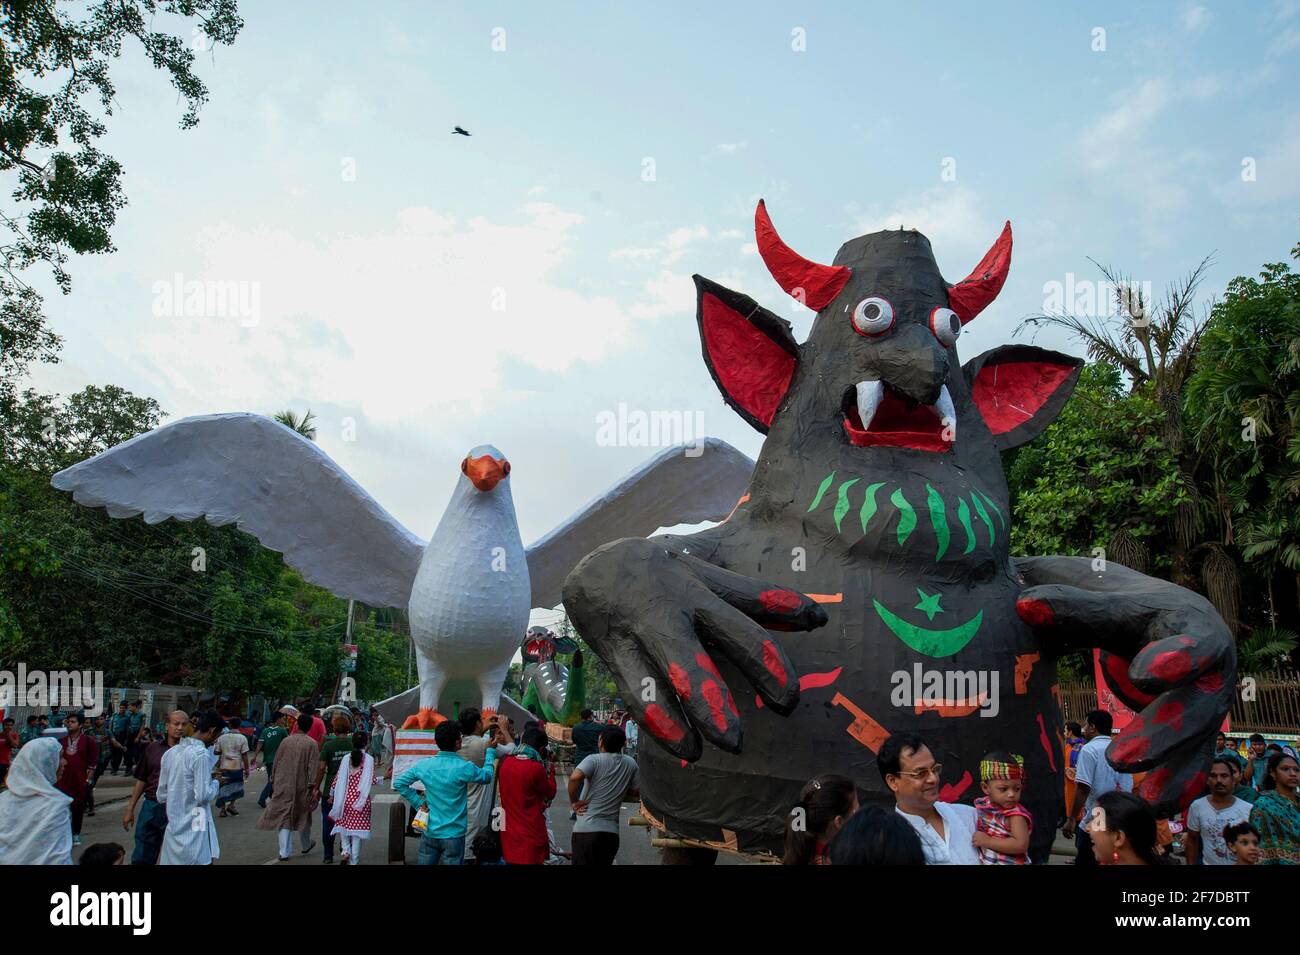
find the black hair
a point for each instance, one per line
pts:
(875, 836)
(102, 853)
(1131, 815)
(31, 720)
(210, 720)
(1256, 738)
(79, 716)
(1222, 735)
(10, 719)
(304, 722)
(587, 714)
(1276, 746)
(469, 718)
(359, 740)
(889, 759)
(1073, 727)
(820, 801)
(1230, 762)
(234, 722)
(613, 739)
(1274, 762)
(535, 737)
(447, 735)
(1102, 721)
(1232, 833)
(122, 705)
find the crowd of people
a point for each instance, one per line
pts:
(485, 797)
(1248, 815)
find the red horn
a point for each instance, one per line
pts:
(811, 284)
(972, 294)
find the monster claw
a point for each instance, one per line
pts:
(1036, 613)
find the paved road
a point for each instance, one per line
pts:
(242, 843)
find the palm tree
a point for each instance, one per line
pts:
(1155, 344)
(303, 425)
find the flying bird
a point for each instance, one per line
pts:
(468, 590)
(460, 132)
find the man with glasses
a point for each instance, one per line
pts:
(911, 773)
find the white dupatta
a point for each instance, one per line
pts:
(340, 790)
(35, 822)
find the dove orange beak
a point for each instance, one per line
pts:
(486, 472)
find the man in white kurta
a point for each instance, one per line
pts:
(187, 785)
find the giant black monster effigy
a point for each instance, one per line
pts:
(864, 585)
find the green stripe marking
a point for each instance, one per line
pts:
(938, 520)
(989, 501)
(842, 502)
(906, 516)
(820, 492)
(869, 505)
(963, 515)
(984, 516)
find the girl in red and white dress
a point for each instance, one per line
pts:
(350, 799)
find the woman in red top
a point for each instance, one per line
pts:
(526, 790)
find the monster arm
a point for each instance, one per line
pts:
(1165, 653)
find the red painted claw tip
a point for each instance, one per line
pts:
(1171, 665)
(1130, 748)
(1036, 613)
(713, 696)
(662, 725)
(780, 601)
(1154, 784)
(772, 661)
(1171, 715)
(680, 681)
(1210, 682)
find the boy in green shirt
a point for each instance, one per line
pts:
(336, 746)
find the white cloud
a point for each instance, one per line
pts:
(947, 215)
(1196, 18)
(1284, 42)
(410, 323)
(1116, 135)
(731, 148)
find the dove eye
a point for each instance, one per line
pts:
(464, 466)
(872, 316)
(505, 469)
(946, 325)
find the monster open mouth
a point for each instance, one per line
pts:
(894, 420)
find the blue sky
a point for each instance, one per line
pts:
(377, 292)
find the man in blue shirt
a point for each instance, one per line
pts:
(446, 778)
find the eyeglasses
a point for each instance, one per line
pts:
(919, 774)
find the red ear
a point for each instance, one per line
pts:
(1020, 389)
(749, 351)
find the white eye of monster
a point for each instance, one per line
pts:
(946, 325)
(872, 316)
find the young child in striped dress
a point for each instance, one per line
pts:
(1003, 825)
